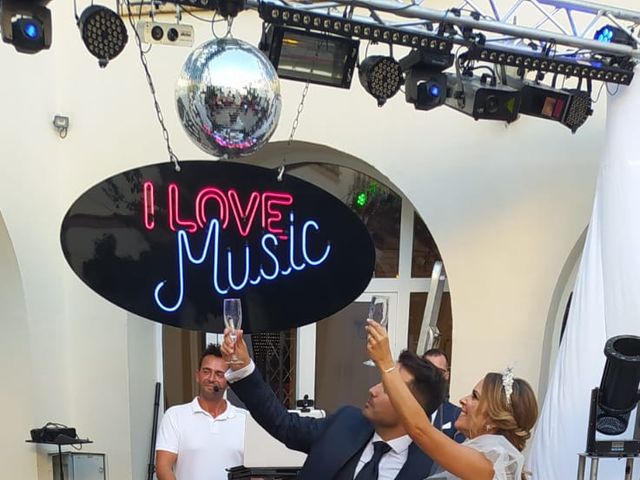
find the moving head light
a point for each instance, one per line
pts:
(26, 24)
(425, 84)
(425, 89)
(482, 98)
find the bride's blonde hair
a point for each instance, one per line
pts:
(513, 417)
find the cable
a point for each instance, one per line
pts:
(459, 95)
(165, 133)
(615, 92)
(486, 67)
(202, 19)
(599, 92)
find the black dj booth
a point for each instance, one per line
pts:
(264, 473)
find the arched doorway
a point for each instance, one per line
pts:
(559, 312)
(324, 360)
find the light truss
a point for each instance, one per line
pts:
(547, 46)
(545, 35)
(555, 36)
(550, 28)
(563, 23)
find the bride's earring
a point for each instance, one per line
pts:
(488, 428)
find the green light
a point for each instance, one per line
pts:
(361, 199)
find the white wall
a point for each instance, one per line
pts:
(17, 398)
(505, 205)
(142, 340)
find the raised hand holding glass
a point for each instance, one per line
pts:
(378, 311)
(232, 313)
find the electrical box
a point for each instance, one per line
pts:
(79, 466)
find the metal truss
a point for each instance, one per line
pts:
(566, 25)
(544, 36)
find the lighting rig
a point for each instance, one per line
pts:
(606, 52)
(318, 42)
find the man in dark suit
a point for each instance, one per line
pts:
(351, 444)
(445, 416)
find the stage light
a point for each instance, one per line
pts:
(26, 24)
(607, 69)
(425, 89)
(483, 98)
(616, 398)
(103, 33)
(611, 34)
(381, 77)
(569, 107)
(619, 384)
(313, 57)
(349, 27)
(425, 84)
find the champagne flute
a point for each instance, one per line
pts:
(379, 312)
(232, 313)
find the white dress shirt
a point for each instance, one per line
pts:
(391, 462)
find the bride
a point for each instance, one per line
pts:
(497, 418)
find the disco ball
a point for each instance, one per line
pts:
(228, 98)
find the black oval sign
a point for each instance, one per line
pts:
(170, 246)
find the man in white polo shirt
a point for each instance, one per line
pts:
(201, 439)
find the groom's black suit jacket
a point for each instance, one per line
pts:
(331, 443)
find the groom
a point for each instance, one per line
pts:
(351, 444)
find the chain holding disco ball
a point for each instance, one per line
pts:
(228, 97)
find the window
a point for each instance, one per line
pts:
(377, 205)
(425, 251)
(417, 304)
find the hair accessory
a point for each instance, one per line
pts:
(507, 383)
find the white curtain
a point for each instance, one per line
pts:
(606, 299)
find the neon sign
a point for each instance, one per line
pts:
(229, 205)
(171, 246)
(213, 239)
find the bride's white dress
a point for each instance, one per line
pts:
(507, 460)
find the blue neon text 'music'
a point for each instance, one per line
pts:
(223, 282)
